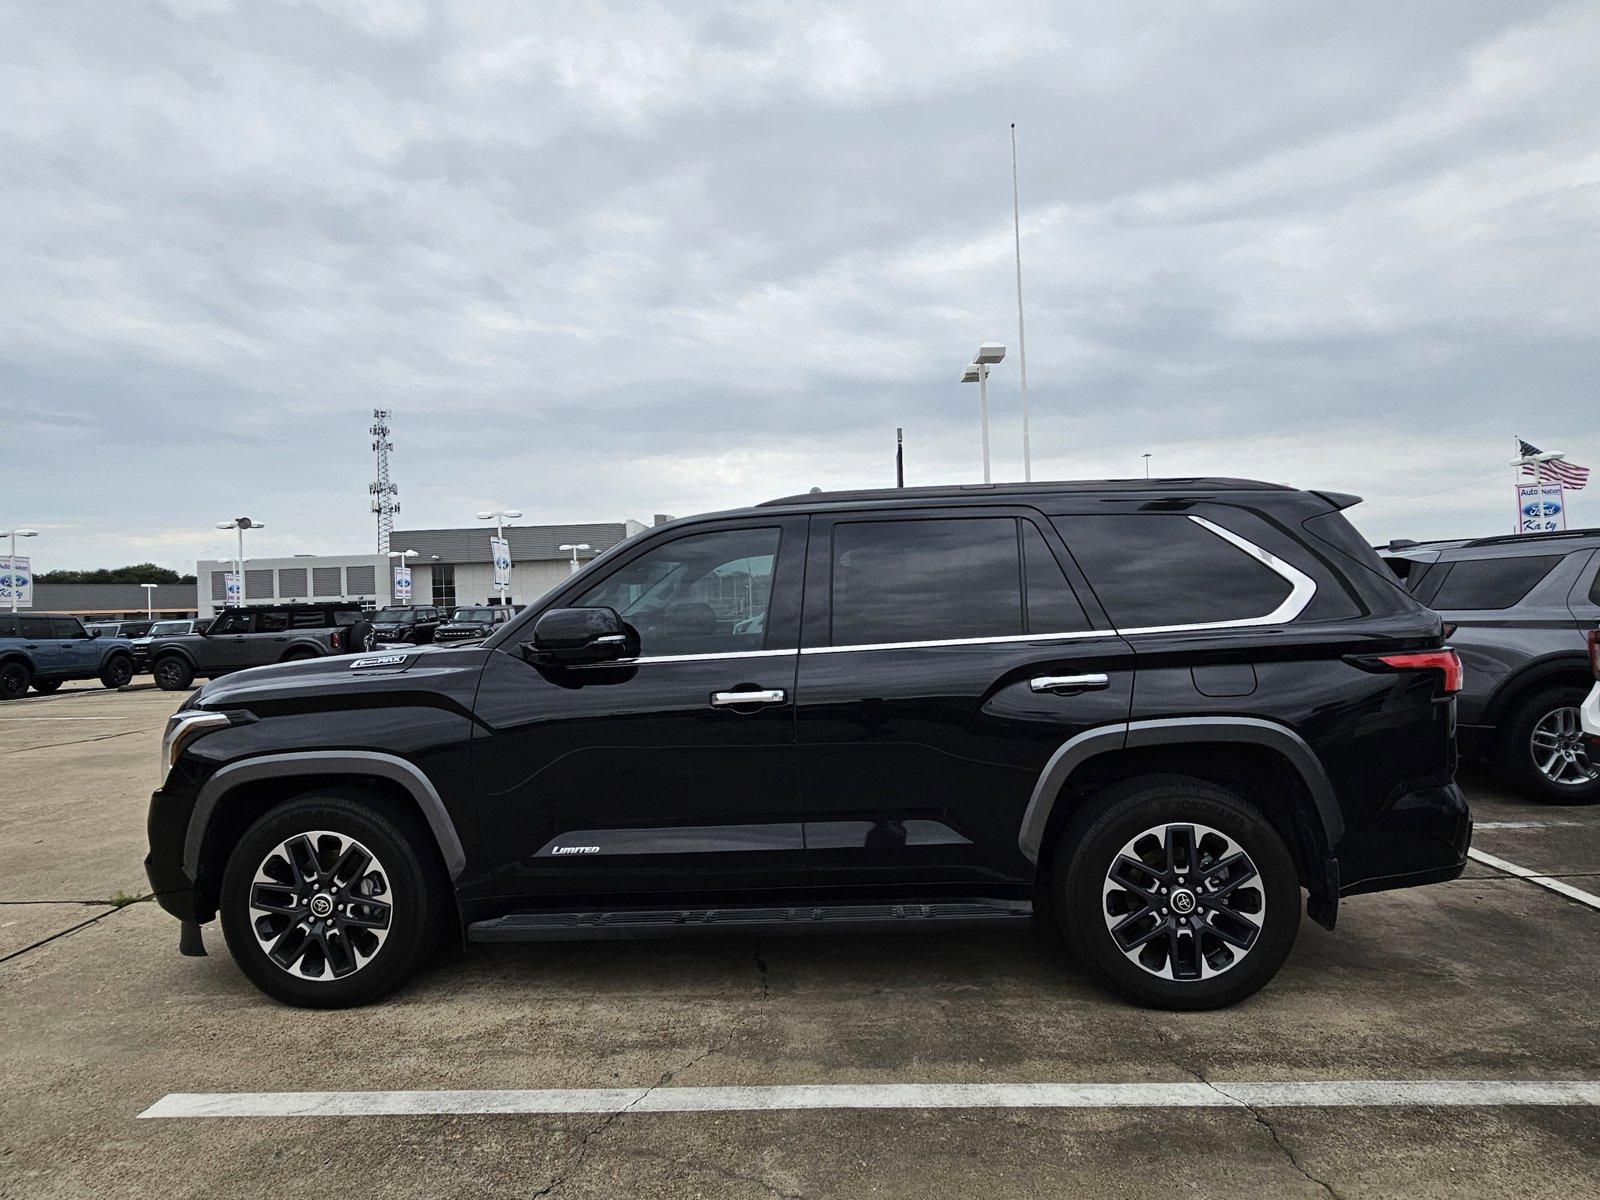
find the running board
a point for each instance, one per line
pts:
(766, 921)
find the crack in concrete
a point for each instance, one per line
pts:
(611, 1118)
(721, 1172)
(80, 741)
(74, 929)
(764, 969)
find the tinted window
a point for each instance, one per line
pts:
(1594, 590)
(921, 581)
(233, 622)
(703, 594)
(1491, 582)
(67, 627)
(8, 625)
(1156, 570)
(272, 622)
(1052, 606)
(168, 628)
(35, 627)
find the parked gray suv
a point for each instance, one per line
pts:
(1520, 607)
(256, 636)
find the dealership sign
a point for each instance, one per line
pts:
(500, 552)
(16, 582)
(232, 593)
(1541, 508)
(402, 584)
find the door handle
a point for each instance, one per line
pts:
(1068, 683)
(730, 699)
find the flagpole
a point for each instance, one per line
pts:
(1022, 341)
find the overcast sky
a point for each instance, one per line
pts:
(609, 260)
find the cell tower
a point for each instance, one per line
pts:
(384, 504)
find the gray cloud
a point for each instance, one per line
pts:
(610, 260)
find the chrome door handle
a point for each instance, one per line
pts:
(730, 699)
(1068, 683)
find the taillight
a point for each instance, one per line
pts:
(1445, 661)
(337, 640)
(1594, 652)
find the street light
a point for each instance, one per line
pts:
(574, 549)
(241, 524)
(977, 372)
(149, 600)
(500, 516)
(402, 555)
(11, 567)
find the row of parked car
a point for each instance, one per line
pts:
(42, 652)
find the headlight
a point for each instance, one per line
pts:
(182, 729)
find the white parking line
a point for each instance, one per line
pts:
(1534, 877)
(50, 718)
(1370, 1093)
(1477, 825)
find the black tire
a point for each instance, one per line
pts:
(414, 886)
(299, 656)
(172, 672)
(1514, 760)
(1092, 843)
(117, 673)
(45, 686)
(14, 680)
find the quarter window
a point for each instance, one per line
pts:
(1491, 582)
(921, 581)
(1052, 605)
(1151, 571)
(703, 594)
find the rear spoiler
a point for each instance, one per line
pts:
(1339, 500)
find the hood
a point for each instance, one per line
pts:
(341, 680)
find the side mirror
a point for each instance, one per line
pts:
(564, 636)
(94, 633)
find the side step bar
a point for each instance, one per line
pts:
(548, 926)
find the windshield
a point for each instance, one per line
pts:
(393, 616)
(474, 615)
(168, 628)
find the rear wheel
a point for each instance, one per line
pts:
(1542, 750)
(46, 686)
(332, 900)
(1176, 893)
(172, 673)
(14, 677)
(118, 673)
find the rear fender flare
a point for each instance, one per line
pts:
(1168, 731)
(311, 763)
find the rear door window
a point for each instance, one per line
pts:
(1157, 570)
(35, 627)
(926, 580)
(1491, 582)
(272, 622)
(8, 626)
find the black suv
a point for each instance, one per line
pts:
(475, 622)
(256, 636)
(1153, 710)
(1520, 607)
(415, 624)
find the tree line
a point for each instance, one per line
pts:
(138, 573)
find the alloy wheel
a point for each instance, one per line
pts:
(1184, 902)
(321, 905)
(1558, 751)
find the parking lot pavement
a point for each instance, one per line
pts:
(1487, 978)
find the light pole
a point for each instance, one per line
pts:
(1146, 457)
(14, 534)
(574, 549)
(241, 524)
(149, 600)
(500, 516)
(402, 555)
(977, 372)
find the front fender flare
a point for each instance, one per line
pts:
(325, 762)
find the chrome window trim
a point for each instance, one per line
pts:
(1301, 589)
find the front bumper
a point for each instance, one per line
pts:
(1421, 838)
(168, 826)
(1589, 715)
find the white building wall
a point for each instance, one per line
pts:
(266, 581)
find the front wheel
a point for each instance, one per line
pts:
(1542, 750)
(117, 673)
(331, 900)
(14, 677)
(172, 673)
(1176, 892)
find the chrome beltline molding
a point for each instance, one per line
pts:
(1301, 589)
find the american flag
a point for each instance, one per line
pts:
(1557, 470)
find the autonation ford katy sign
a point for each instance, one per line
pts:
(16, 582)
(1541, 508)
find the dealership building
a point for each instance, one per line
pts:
(450, 567)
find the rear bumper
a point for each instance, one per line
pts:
(168, 826)
(1475, 741)
(1421, 838)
